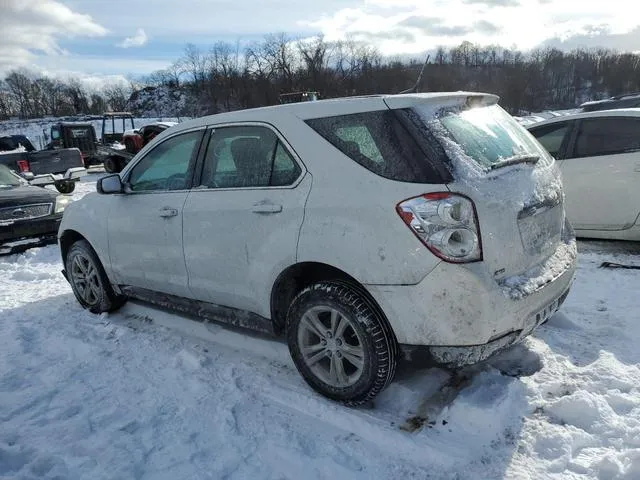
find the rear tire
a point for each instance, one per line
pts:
(89, 281)
(340, 344)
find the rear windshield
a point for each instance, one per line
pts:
(380, 142)
(488, 135)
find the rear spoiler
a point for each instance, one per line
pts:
(456, 99)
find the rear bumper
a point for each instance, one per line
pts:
(455, 357)
(464, 315)
(30, 233)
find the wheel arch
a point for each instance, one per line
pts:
(68, 238)
(297, 277)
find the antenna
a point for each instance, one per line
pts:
(414, 89)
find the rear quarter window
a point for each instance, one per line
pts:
(379, 142)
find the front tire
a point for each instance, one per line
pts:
(89, 281)
(340, 344)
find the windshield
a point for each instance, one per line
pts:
(489, 136)
(8, 179)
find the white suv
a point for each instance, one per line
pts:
(599, 156)
(366, 230)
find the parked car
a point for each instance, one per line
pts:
(135, 140)
(426, 226)
(599, 156)
(29, 216)
(61, 167)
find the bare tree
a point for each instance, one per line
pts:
(116, 96)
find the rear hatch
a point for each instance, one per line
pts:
(513, 182)
(82, 137)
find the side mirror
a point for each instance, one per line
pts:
(136, 131)
(110, 184)
(28, 176)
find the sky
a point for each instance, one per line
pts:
(102, 39)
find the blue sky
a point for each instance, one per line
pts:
(87, 38)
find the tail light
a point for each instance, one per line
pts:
(23, 165)
(447, 223)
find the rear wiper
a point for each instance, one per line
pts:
(516, 159)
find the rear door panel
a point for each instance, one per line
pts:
(602, 189)
(236, 242)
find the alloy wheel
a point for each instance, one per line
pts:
(331, 346)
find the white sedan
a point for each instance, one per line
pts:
(599, 156)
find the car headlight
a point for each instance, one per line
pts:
(61, 203)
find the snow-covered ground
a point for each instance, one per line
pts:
(150, 395)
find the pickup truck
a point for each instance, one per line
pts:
(109, 149)
(58, 167)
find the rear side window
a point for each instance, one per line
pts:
(247, 156)
(379, 142)
(552, 136)
(607, 136)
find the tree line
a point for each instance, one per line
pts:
(24, 94)
(229, 76)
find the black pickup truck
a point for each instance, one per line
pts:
(59, 167)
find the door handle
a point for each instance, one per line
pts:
(266, 208)
(167, 212)
(637, 169)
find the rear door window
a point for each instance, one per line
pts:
(247, 156)
(607, 136)
(379, 142)
(552, 136)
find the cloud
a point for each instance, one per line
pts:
(487, 27)
(138, 40)
(397, 34)
(435, 26)
(525, 24)
(494, 3)
(597, 37)
(30, 26)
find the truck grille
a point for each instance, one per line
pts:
(25, 212)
